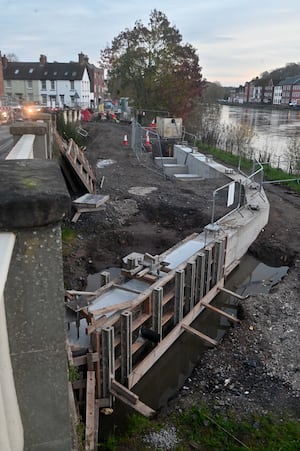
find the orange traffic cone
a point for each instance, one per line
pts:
(147, 141)
(125, 140)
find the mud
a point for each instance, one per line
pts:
(256, 367)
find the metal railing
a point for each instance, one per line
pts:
(140, 147)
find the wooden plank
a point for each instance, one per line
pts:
(90, 200)
(119, 388)
(90, 412)
(112, 308)
(221, 312)
(82, 359)
(141, 369)
(129, 398)
(199, 334)
(238, 296)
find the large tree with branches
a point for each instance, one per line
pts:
(152, 66)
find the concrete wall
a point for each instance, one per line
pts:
(197, 163)
(33, 202)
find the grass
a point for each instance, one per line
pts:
(68, 235)
(270, 173)
(197, 428)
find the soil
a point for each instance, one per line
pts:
(256, 367)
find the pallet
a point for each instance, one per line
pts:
(77, 160)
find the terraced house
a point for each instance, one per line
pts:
(54, 84)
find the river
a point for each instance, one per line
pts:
(274, 130)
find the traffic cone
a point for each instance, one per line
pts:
(147, 141)
(125, 140)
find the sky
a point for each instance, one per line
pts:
(236, 40)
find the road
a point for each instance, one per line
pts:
(6, 141)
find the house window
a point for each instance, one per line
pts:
(44, 99)
(29, 84)
(30, 70)
(8, 84)
(72, 85)
(52, 85)
(30, 97)
(62, 99)
(43, 82)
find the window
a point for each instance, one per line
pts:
(43, 84)
(8, 84)
(29, 84)
(52, 84)
(30, 70)
(30, 97)
(17, 71)
(44, 99)
(72, 86)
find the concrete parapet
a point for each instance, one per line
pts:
(39, 129)
(33, 201)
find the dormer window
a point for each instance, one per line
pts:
(30, 70)
(66, 73)
(74, 74)
(17, 71)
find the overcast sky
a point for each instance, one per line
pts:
(236, 40)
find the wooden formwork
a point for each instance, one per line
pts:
(119, 356)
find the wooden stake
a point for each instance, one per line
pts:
(199, 334)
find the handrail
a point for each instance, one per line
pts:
(11, 428)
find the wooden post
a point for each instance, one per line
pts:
(190, 284)
(104, 278)
(157, 310)
(90, 412)
(126, 345)
(221, 258)
(179, 296)
(207, 284)
(200, 273)
(108, 359)
(98, 367)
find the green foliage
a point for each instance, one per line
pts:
(153, 67)
(68, 235)
(73, 374)
(246, 165)
(80, 435)
(68, 130)
(198, 428)
(290, 70)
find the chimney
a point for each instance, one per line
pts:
(43, 60)
(82, 58)
(4, 61)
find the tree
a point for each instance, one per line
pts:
(12, 57)
(153, 67)
(214, 91)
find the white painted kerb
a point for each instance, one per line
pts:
(11, 429)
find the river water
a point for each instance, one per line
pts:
(274, 130)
